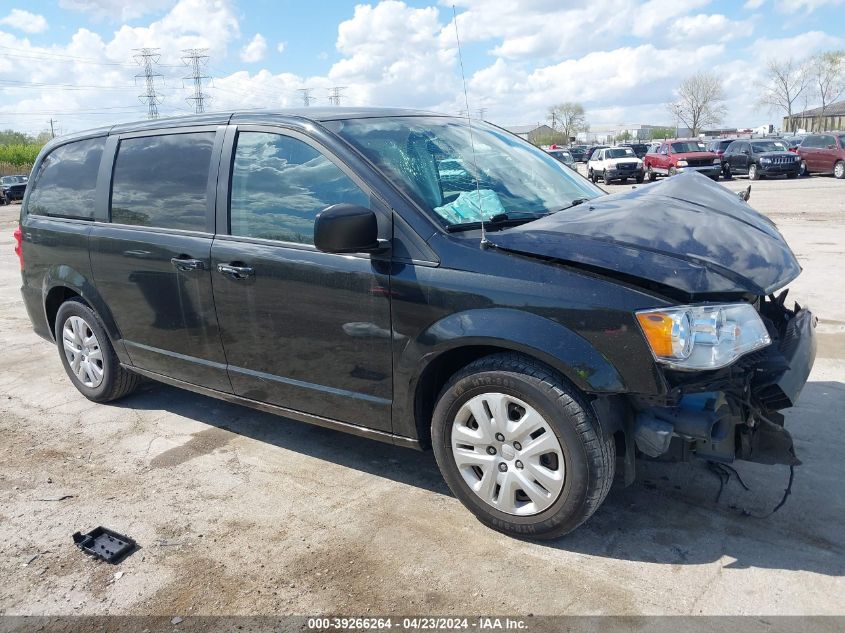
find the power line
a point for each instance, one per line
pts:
(335, 94)
(197, 58)
(147, 57)
(306, 96)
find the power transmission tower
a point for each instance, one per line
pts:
(306, 96)
(147, 58)
(481, 112)
(335, 94)
(196, 59)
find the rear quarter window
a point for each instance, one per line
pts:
(66, 181)
(161, 181)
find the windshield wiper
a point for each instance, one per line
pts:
(574, 203)
(498, 221)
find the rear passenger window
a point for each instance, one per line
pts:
(280, 184)
(162, 181)
(67, 180)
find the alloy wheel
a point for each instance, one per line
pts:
(82, 350)
(508, 454)
(839, 169)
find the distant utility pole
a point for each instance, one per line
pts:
(147, 58)
(335, 94)
(196, 59)
(306, 96)
(481, 112)
(52, 129)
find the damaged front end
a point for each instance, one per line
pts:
(733, 412)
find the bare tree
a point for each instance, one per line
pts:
(783, 83)
(568, 118)
(700, 102)
(828, 76)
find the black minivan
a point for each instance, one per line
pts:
(406, 277)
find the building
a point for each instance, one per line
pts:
(629, 131)
(534, 133)
(813, 121)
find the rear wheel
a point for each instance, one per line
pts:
(88, 356)
(592, 176)
(839, 169)
(521, 448)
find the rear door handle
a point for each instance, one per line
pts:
(236, 272)
(186, 263)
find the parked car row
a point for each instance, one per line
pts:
(792, 156)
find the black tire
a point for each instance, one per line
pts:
(640, 178)
(726, 172)
(792, 176)
(673, 171)
(650, 174)
(605, 178)
(592, 177)
(589, 454)
(753, 172)
(839, 170)
(802, 169)
(117, 382)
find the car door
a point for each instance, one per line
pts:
(743, 158)
(151, 256)
(302, 329)
(827, 154)
(808, 152)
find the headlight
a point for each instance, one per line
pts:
(703, 337)
(682, 163)
(765, 160)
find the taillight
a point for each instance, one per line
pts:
(19, 245)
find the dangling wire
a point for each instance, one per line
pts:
(469, 122)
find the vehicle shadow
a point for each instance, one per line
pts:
(673, 514)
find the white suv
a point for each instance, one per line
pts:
(615, 163)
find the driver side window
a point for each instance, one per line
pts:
(280, 184)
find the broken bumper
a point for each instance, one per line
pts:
(740, 419)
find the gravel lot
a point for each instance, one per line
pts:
(240, 512)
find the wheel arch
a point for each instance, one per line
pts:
(452, 343)
(62, 283)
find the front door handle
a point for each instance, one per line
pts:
(236, 272)
(185, 263)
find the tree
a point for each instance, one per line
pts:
(662, 132)
(828, 76)
(568, 118)
(700, 102)
(784, 81)
(621, 138)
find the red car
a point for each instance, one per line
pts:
(675, 157)
(823, 154)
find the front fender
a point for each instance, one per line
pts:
(506, 329)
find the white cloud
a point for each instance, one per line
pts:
(122, 10)
(751, 5)
(805, 7)
(25, 21)
(254, 50)
(281, 46)
(715, 27)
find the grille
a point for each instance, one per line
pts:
(782, 160)
(699, 162)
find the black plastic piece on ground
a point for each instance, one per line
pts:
(105, 544)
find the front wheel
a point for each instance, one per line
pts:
(650, 174)
(605, 177)
(673, 170)
(752, 172)
(521, 448)
(592, 176)
(839, 170)
(802, 169)
(726, 172)
(88, 356)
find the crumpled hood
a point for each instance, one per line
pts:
(685, 232)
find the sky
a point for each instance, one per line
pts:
(73, 61)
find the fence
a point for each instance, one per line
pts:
(8, 169)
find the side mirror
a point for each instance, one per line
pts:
(347, 228)
(831, 147)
